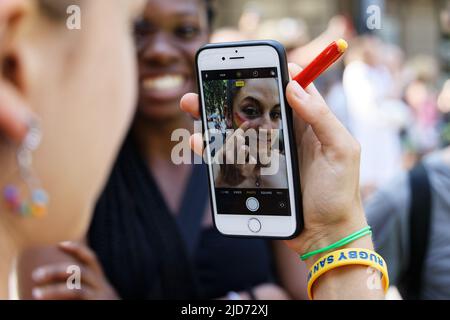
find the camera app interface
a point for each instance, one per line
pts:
(244, 123)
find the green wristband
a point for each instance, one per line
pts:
(344, 241)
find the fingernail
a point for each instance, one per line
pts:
(299, 92)
(38, 274)
(37, 293)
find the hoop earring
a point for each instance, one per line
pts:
(36, 206)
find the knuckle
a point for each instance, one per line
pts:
(91, 255)
(307, 100)
(56, 270)
(346, 152)
(321, 110)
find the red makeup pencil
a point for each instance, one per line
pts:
(321, 63)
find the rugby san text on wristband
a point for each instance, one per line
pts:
(345, 257)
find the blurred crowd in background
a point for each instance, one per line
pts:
(392, 91)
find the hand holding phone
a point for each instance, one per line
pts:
(329, 167)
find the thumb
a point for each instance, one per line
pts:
(314, 111)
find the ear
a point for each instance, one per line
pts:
(14, 114)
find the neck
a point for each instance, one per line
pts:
(8, 251)
(154, 137)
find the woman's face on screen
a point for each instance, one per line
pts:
(258, 103)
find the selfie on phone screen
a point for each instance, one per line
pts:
(253, 159)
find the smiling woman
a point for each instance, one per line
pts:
(144, 214)
(150, 187)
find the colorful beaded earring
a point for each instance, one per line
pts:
(36, 206)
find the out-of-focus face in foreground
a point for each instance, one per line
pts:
(81, 85)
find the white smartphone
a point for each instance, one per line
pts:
(249, 139)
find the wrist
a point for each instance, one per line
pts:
(327, 235)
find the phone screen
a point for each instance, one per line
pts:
(249, 167)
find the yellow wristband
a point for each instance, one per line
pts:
(347, 257)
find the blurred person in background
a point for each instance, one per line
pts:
(227, 34)
(331, 82)
(400, 114)
(250, 20)
(336, 99)
(422, 133)
(52, 102)
(291, 33)
(443, 104)
(301, 49)
(248, 24)
(338, 27)
(444, 18)
(367, 83)
(152, 236)
(410, 217)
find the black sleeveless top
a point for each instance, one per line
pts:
(139, 244)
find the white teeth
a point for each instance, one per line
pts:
(168, 82)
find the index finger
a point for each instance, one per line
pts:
(294, 69)
(299, 123)
(311, 107)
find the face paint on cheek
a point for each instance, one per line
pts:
(238, 119)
